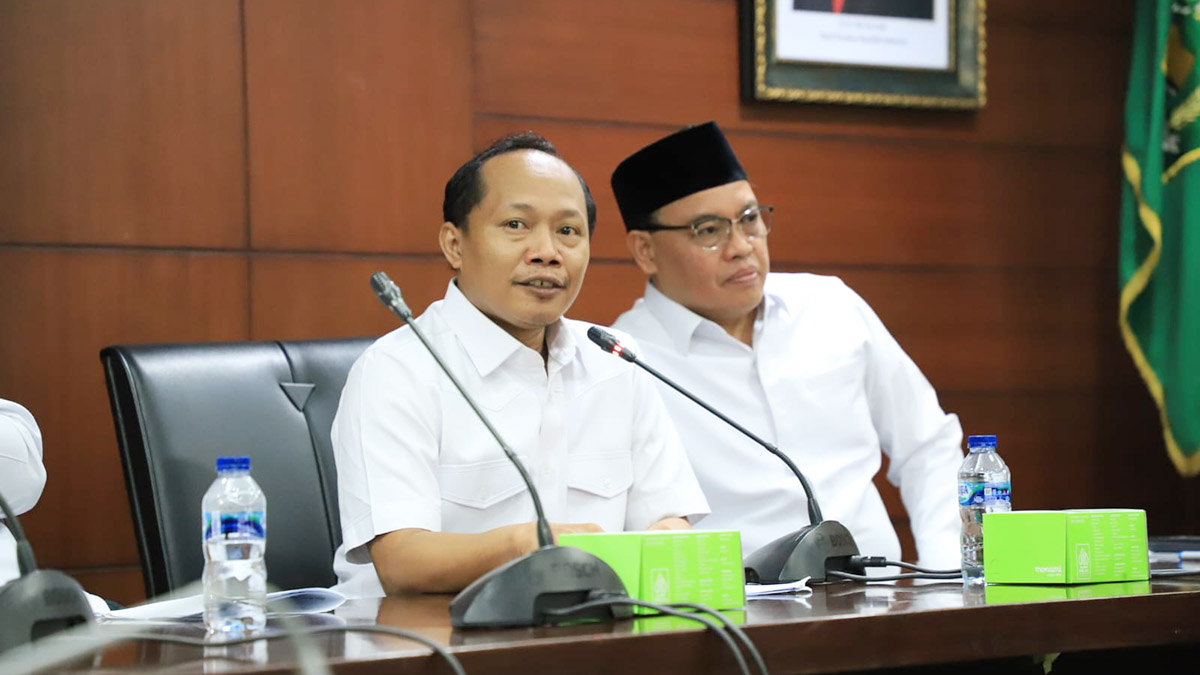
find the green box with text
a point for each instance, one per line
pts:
(668, 566)
(1065, 547)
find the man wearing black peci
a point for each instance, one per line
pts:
(799, 359)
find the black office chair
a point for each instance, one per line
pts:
(177, 407)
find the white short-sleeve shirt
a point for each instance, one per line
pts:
(22, 475)
(590, 429)
(826, 383)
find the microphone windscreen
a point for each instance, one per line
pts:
(389, 294)
(381, 282)
(603, 338)
(609, 343)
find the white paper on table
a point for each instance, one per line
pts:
(297, 601)
(790, 588)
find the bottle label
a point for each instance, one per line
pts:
(984, 494)
(246, 523)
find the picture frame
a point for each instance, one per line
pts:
(903, 53)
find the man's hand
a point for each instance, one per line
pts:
(525, 534)
(674, 523)
(419, 560)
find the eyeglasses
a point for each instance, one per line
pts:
(713, 232)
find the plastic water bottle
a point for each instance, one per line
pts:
(235, 542)
(983, 487)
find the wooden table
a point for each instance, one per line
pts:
(845, 627)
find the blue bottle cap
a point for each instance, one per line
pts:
(233, 464)
(988, 441)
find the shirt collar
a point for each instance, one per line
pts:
(487, 344)
(678, 322)
(773, 301)
(681, 323)
(562, 345)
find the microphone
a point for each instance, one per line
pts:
(39, 602)
(812, 551)
(519, 592)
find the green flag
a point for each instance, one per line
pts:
(1160, 219)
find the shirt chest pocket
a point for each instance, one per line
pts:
(479, 485)
(598, 488)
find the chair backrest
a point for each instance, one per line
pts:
(177, 407)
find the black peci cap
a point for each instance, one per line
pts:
(686, 162)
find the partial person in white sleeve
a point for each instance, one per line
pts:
(799, 359)
(428, 500)
(22, 475)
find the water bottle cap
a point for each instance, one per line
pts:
(233, 464)
(988, 441)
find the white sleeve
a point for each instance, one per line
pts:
(664, 485)
(923, 443)
(22, 475)
(386, 448)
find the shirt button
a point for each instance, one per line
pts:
(607, 483)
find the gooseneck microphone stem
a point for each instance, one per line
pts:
(609, 343)
(389, 295)
(25, 561)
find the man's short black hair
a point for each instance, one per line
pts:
(465, 188)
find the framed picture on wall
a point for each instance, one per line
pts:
(911, 53)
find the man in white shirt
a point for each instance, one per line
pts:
(798, 359)
(428, 500)
(22, 475)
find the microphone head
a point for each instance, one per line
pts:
(609, 343)
(389, 294)
(381, 283)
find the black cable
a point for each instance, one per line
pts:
(1174, 573)
(662, 609)
(924, 570)
(385, 630)
(861, 562)
(733, 628)
(896, 577)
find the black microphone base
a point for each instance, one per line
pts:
(38, 604)
(809, 552)
(519, 592)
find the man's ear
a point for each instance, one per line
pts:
(641, 247)
(450, 239)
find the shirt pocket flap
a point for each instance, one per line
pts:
(605, 474)
(479, 484)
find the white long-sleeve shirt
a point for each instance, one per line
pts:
(827, 384)
(22, 475)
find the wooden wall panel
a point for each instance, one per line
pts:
(1096, 18)
(979, 329)
(859, 202)
(60, 309)
(122, 585)
(121, 123)
(674, 62)
(359, 113)
(294, 297)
